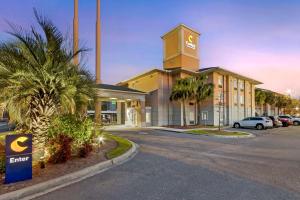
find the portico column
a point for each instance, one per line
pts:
(119, 112)
(143, 114)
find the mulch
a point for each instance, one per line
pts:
(56, 170)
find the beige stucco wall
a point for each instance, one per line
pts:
(146, 83)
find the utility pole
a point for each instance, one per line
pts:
(98, 63)
(75, 32)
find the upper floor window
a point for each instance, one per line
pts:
(235, 85)
(220, 81)
(242, 85)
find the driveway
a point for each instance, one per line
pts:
(174, 166)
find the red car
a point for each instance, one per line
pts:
(286, 120)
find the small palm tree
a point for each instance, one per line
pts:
(181, 91)
(201, 90)
(260, 97)
(38, 79)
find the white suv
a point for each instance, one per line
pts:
(296, 121)
(254, 122)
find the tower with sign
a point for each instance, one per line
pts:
(181, 48)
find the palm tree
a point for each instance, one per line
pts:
(282, 101)
(201, 90)
(181, 91)
(270, 98)
(260, 97)
(38, 79)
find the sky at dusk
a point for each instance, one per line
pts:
(256, 38)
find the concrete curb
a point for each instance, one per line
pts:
(54, 184)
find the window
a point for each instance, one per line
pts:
(204, 115)
(220, 81)
(235, 99)
(242, 99)
(242, 85)
(235, 83)
(256, 118)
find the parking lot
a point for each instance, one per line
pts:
(183, 166)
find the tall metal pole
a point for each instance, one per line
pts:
(98, 45)
(98, 63)
(75, 32)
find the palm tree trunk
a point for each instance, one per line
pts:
(184, 114)
(198, 113)
(42, 108)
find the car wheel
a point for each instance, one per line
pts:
(296, 123)
(236, 125)
(259, 127)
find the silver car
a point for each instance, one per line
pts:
(254, 122)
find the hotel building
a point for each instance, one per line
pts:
(233, 96)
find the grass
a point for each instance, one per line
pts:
(216, 132)
(123, 145)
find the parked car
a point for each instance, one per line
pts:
(276, 122)
(286, 120)
(254, 122)
(296, 121)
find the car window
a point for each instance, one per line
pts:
(285, 117)
(248, 118)
(256, 118)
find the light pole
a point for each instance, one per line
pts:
(98, 63)
(75, 32)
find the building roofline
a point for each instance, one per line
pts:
(118, 88)
(180, 25)
(267, 90)
(138, 76)
(174, 70)
(212, 69)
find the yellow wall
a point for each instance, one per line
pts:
(146, 83)
(181, 49)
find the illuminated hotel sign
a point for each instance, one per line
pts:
(18, 150)
(190, 43)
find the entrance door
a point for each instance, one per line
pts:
(132, 116)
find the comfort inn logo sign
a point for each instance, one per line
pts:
(190, 43)
(18, 150)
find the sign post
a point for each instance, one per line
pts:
(18, 151)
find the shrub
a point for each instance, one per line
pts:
(85, 150)
(60, 149)
(81, 130)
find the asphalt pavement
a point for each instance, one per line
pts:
(175, 166)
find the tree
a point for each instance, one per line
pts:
(260, 96)
(181, 91)
(282, 101)
(270, 98)
(38, 79)
(201, 90)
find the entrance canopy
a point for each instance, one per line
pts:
(122, 105)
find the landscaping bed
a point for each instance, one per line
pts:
(190, 126)
(112, 147)
(216, 133)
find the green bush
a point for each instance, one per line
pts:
(79, 129)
